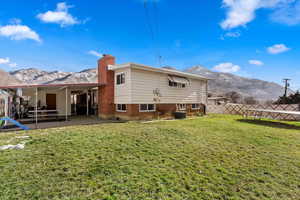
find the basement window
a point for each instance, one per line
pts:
(181, 106)
(196, 106)
(147, 108)
(120, 78)
(121, 108)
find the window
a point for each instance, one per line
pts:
(147, 108)
(195, 106)
(179, 82)
(121, 107)
(181, 106)
(178, 85)
(120, 78)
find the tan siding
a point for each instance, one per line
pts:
(123, 92)
(144, 82)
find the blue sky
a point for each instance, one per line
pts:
(253, 38)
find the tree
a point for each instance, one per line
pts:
(291, 99)
(233, 97)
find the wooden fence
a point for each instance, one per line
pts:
(240, 109)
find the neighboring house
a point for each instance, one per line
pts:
(134, 91)
(128, 91)
(217, 100)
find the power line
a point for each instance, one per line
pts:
(153, 29)
(148, 20)
(156, 21)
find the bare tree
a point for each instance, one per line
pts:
(234, 97)
(250, 101)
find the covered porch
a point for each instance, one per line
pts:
(60, 103)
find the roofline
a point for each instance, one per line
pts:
(154, 69)
(50, 85)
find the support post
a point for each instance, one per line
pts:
(66, 103)
(6, 107)
(87, 103)
(75, 103)
(36, 108)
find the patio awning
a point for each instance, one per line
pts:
(55, 86)
(178, 79)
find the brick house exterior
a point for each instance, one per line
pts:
(128, 91)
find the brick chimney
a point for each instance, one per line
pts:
(106, 107)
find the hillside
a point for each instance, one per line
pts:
(220, 84)
(225, 82)
(7, 79)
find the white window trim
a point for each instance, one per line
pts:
(178, 107)
(197, 108)
(120, 73)
(121, 110)
(154, 107)
(179, 85)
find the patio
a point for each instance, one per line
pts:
(72, 121)
(54, 105)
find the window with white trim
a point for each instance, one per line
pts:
(120, 78)
(147, 108)
(181, 106)
(195, 106)
(121, 107)
(178, 85)
(178, 82)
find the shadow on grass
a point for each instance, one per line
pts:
(270, 124)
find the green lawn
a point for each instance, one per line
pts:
(213, 157)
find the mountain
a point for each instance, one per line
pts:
(7, 79)
(220, 84)
(37, 76)
(85, 76)
(223, 83)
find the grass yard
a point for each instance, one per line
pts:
(213, 157)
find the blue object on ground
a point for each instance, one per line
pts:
(18, 124)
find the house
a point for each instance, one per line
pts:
(135, 91)
(123, 91)
(217, 100)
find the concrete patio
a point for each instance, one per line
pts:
(72, 121)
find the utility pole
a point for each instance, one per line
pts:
(287, 85)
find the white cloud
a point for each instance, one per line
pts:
(19, 32)
(230, 35)
(226, 67)
(241, 12)
(4, 61)
(256, 62)
(12, 65)
(233, 34)
(59, 16)
(95, 53)
(278, 48)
